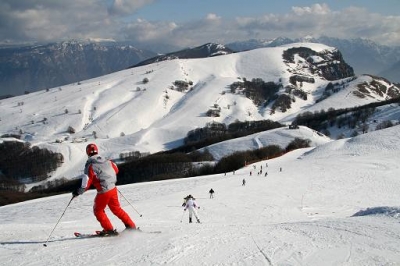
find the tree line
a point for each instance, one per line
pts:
(164, 166)
(21, 162)
(355, 117)
(216, 132)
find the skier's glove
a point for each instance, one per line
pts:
(75, 193)
(78, 191)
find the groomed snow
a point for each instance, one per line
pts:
(336, 204)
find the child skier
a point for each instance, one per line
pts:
(191, 205)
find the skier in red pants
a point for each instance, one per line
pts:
(102, 174)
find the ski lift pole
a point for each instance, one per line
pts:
(128, 202)
(45, 244)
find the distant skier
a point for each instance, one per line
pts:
(211, 193)
(243, 182)
(192, 206)
(102, 174)
(185, 199)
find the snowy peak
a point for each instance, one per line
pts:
(365, 56)
(328, 64)
(203, 51)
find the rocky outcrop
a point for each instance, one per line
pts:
(328, 64)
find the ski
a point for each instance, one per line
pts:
(97, 233)
(89, 235)
(147, 232)
(85, 235)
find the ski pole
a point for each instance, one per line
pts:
(128, 202)
(45, 244)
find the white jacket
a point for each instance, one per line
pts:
(190, 204)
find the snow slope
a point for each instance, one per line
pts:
(122, 113)
(335, 204)
(280, 136)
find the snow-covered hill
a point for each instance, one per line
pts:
(280, 136)
(364, 55)
(335, 204)
(145, 109)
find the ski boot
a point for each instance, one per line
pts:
(108, 232)
(127, 227)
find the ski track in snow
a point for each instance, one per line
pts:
(332, 205)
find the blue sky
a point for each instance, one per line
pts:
(189, 23)
(181, 10)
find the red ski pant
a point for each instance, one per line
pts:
(110, 199)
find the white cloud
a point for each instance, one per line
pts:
(46, 20)
(41, 20)
(318, 19)
(125, 7)
(318, 9)
(212, 16)
(144, 31)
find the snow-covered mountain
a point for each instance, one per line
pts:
(336, 204)
(34, 67)
(151, 108)
(203, 51)
(25, 69)
(365, 56)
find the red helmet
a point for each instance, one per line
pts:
(92, 149)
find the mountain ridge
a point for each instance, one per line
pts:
(365, 56)
(202, 51)
(151, 108)
(26, 69)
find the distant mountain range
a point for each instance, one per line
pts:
(36, 67)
